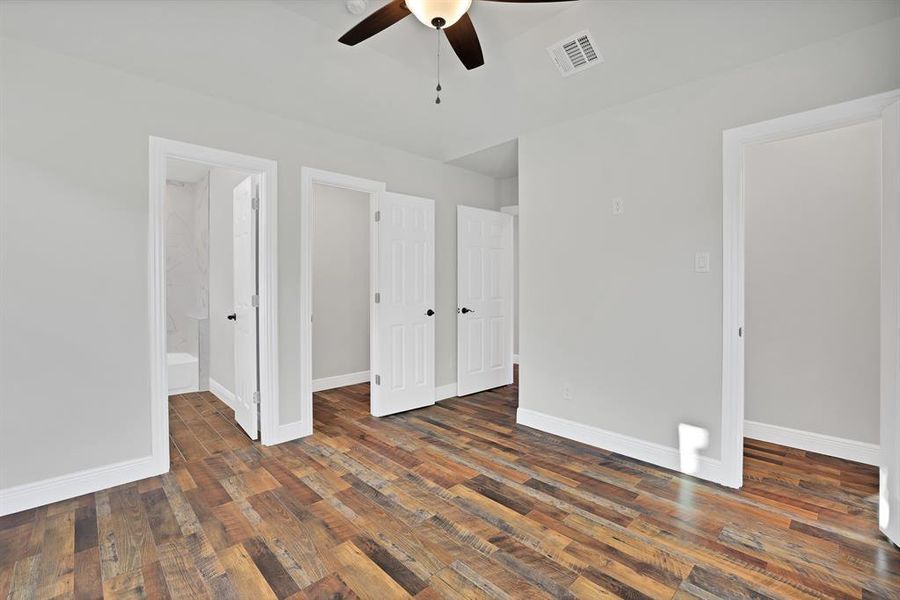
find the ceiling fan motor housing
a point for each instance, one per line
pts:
(438, 13)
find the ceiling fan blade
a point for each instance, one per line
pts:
(464, 40)
(378, 21)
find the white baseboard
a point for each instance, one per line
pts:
(191, 389)
(515, 359)
(329, 383)
(708, 468)
(443, 392)
(820, 443)
(221, 392)
(47, 491)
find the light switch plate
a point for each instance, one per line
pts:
(701, 262)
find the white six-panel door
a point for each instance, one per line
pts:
(245, 312)
(485, 299)
(403, 324)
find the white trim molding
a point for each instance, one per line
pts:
(829, 445)
(336, 381)
(72, 485)
(161, 150)
(656, 454)
(309, 177)
(734, 143)
(191, 389)
(445, 392)
(515, 359)
(512, 209)
(221, 392)
(290, 431)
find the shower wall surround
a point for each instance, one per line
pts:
(187, 271)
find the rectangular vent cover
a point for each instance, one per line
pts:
(575, 53)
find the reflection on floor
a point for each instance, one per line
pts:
(452, 501)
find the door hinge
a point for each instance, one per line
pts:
(254, 300)
(256, 397)
(254, 203)
(377, 298)
(378, 380)
(377, 216)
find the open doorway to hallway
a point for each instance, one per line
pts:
(340, 287)
(836, 346)
(812, 341)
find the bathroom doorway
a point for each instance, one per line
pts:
(213, 296)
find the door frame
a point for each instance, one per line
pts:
(308, 177)
(160, 150)
(734, 143)
(513, 209)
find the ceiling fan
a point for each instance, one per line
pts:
(451, 16)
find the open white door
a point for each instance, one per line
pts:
(246, 367)
(485, 299)
(889, 489)
(403, 317)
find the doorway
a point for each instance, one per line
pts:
(400, 293)
(885, 109)
(813, 219)
(340, 287)
(250, 209)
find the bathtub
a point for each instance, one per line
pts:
(184, 372)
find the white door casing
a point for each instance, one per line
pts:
(403, 330)
(730, 472)
(889, 484)
(485, 299)
(245, 308)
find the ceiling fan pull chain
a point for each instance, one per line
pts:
(438, 88)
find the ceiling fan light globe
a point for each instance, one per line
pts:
(427, 11)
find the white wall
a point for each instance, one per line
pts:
(508, 190)
(221, 275)
(813, 223)
(187, 263)
(340, 281)
(610, 304)
(74, 339)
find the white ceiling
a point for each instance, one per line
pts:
(500, 161)
(283, 57)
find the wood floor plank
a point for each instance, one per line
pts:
(244, 574)
(182, 577)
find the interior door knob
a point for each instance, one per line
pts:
(466, 310)
(429, 313)
(232, 317)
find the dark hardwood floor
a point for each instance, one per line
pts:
(453, 501)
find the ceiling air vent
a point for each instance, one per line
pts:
(575, 53)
